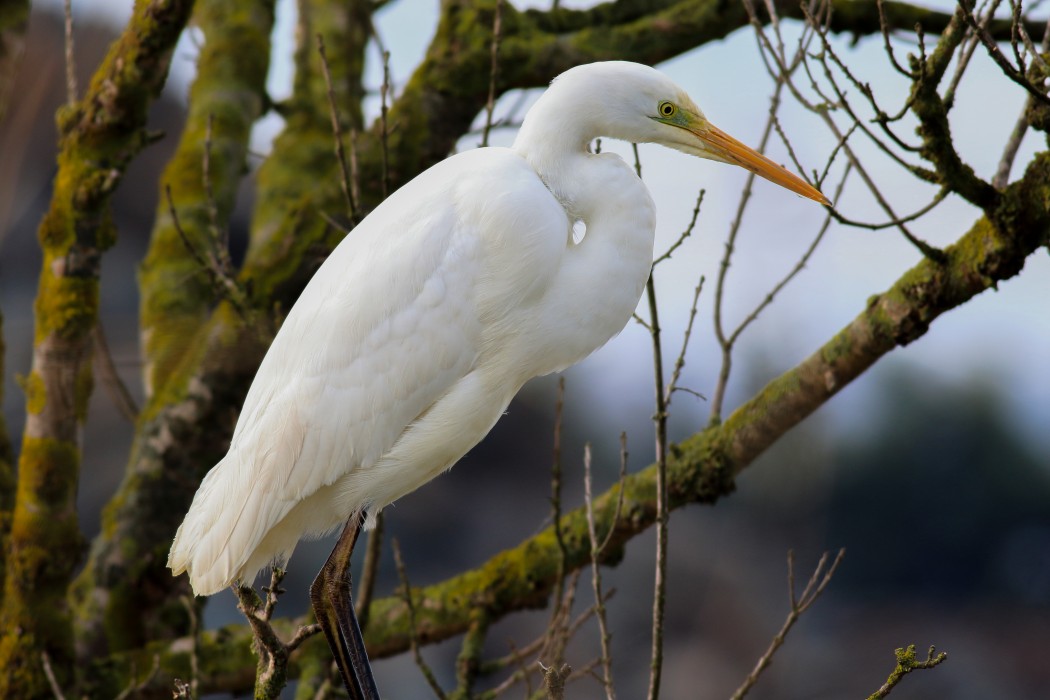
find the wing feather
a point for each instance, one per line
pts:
(388, 324)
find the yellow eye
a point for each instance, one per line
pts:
(667, 109)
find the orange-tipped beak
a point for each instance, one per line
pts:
(727, 148)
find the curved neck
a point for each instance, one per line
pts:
(551, 143)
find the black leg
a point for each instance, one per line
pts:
(330, 595)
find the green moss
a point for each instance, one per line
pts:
(44, 547)
(228, 93)
(65, 305)
(36, 396)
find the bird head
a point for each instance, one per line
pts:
(637, 103)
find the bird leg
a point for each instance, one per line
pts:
(330, 596)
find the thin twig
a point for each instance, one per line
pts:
(517, 657)
(384, 92)
(660, 571)
(917, 214)
(596, 578)
(490, 103)
(799, 266)
(402, 575)
(1013, 144)
(724, 341)
(906, 663)
(887, 46)
(992, 48)
(71, 66)
(195, 643)
(559, 583)
(337, 134)
(679, 363)
(111, 381)
(222, 280)
(51, 680)
(817, 583)
(561, 629)
(369, 573)
(685, 234)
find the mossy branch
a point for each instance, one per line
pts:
(185, 428)
(229, 95)
(906, 663)
(177, 297)
(98, 137)
(125, 595)
(701, 469)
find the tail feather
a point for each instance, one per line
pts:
(227, 521)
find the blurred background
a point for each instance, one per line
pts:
(932, 470)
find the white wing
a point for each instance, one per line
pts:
(388, 324)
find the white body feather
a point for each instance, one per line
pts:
(412, 338)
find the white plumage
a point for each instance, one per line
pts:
(416, 332)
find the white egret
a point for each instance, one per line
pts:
(420, 327)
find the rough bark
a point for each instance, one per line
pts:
(98, 137)
(116, 596)
(229, 94)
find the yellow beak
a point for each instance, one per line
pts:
(726, 148)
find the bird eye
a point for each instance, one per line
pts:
(667, 109)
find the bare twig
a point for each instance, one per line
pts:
(193, 687)
(888, 47)
(369, 573)
(906, 663)
(817, 583)
(71, 66)
(111, 380)
(337, 134)
(1013, 144)
(724, 341)
(1010, 71)
(561, 627)
(490, 104)
(783, 74)
(660, 572)
(384, 93)
(596, 579)
(917, 214)
(685, 234)
(402, 574)
(559, 407)
(221, 278)
(799, 266)
(662, 510)
(51, 680)
(679, 363)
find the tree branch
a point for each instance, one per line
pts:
(177, 296)
(98, 137)
(701, 469)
